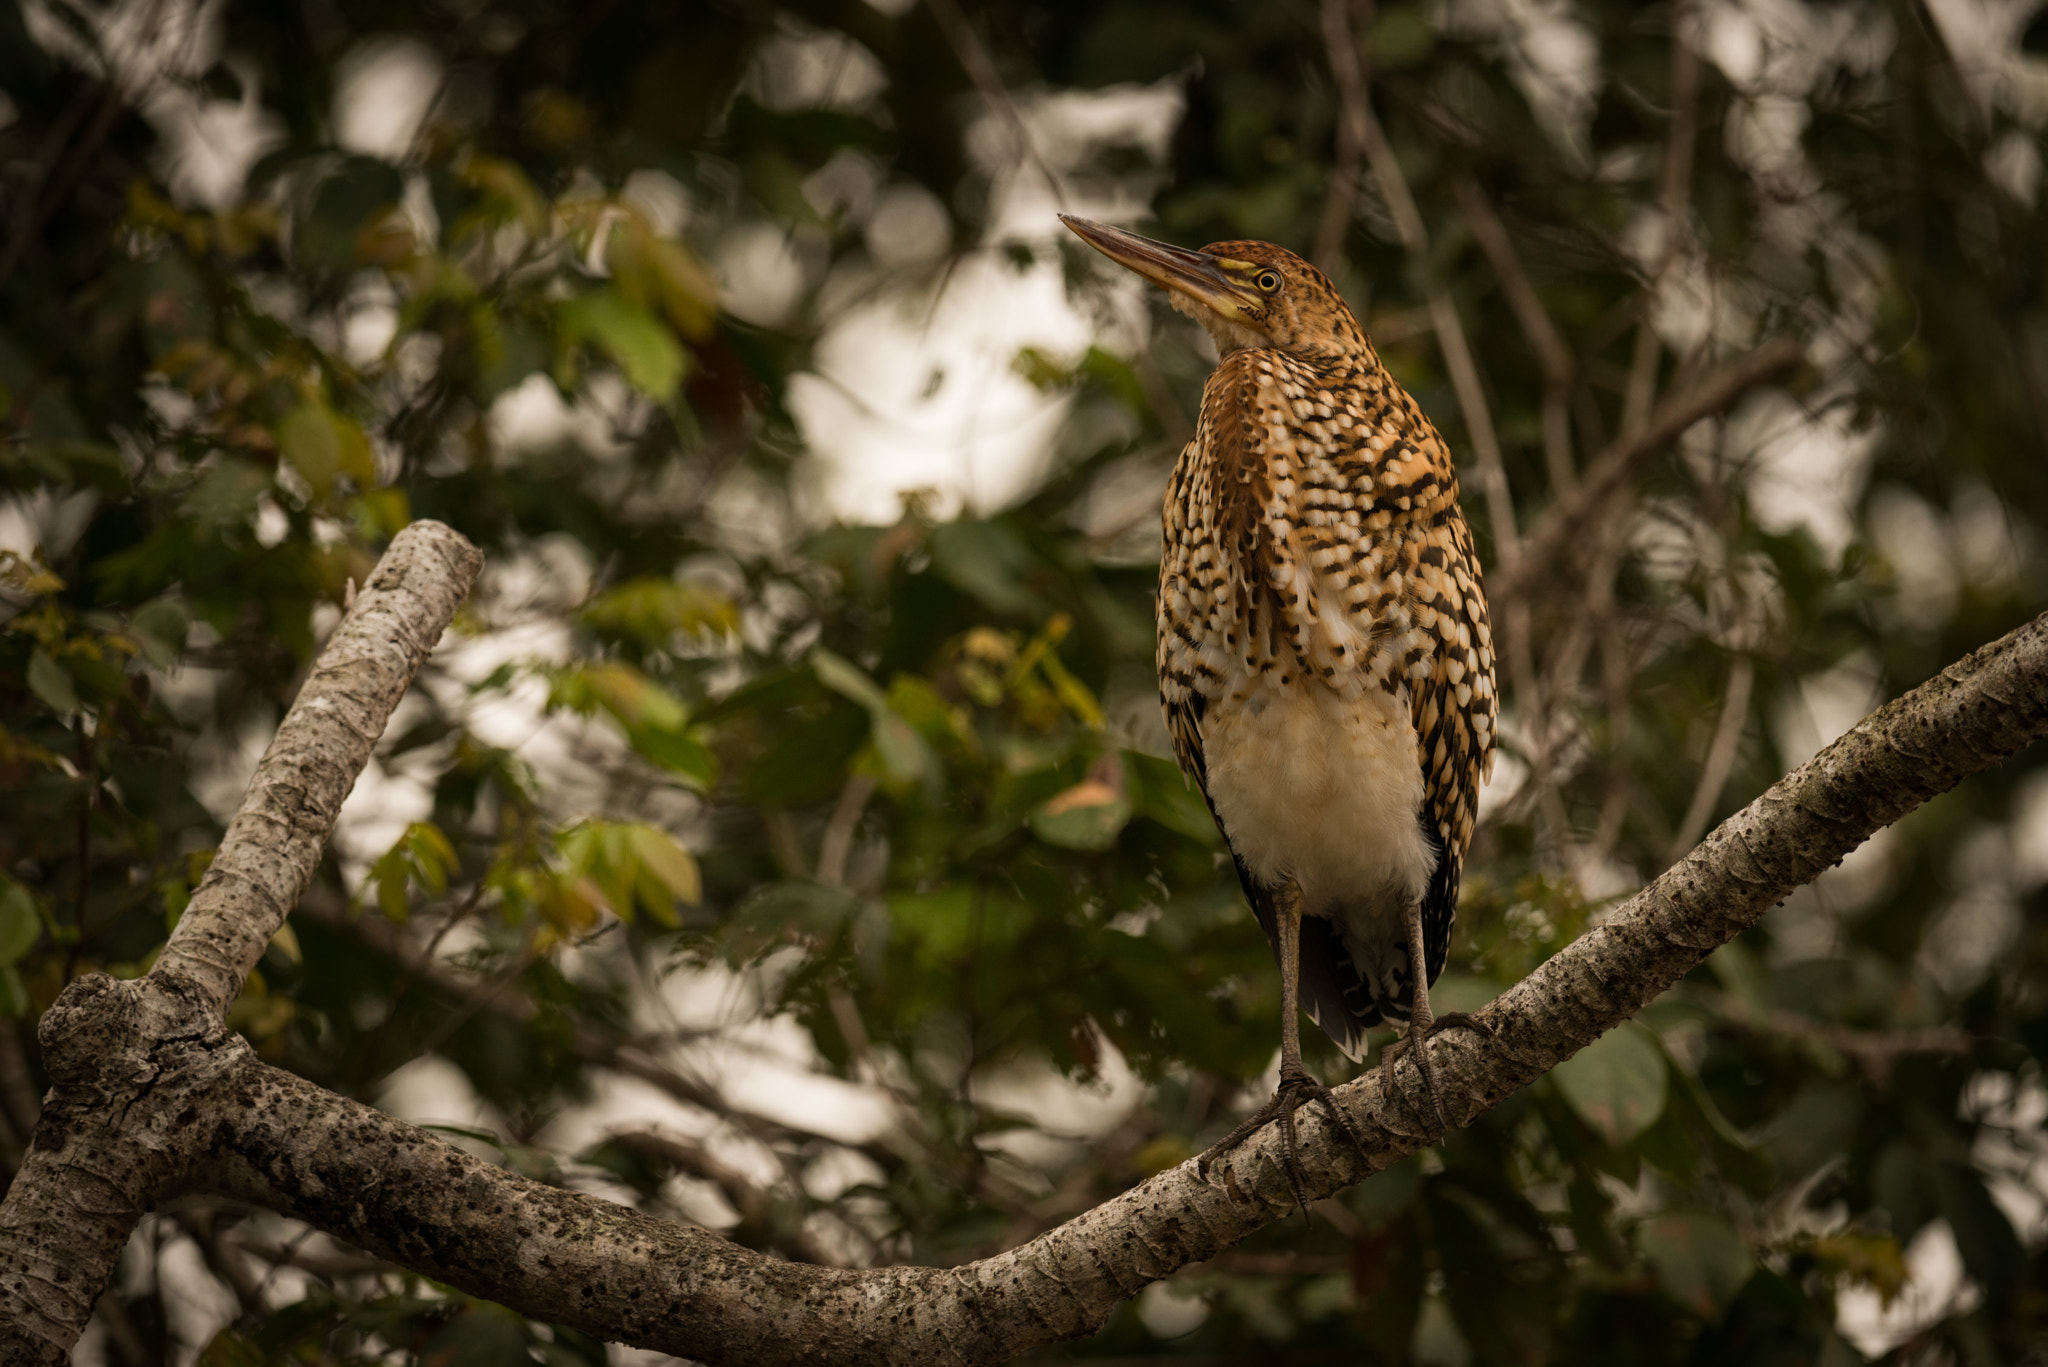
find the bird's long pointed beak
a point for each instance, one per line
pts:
(1194, 275)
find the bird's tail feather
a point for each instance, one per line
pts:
(1333, 992)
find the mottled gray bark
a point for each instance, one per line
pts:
(136, 1066)
(148, 1068)
(272, 846)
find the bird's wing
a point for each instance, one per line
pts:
(1203, 608)
(1455, 710)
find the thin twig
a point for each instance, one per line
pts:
(1617, 697)
(327, 1266)
(973, 57)
(1720, 759)
(1340, 202)
(588, 1044)
(1875, 1051)
(403, 980)
(1567, 518)
(88, 773)
(837, 843)
(777, 1223)
(1340, 43)
(122, 1335)
(223, 1260)
(1552, 352)
(488, 995)
(1674, 195)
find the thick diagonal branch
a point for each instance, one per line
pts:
(274, 843)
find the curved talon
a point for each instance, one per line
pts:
(1295, 1090)
(1432, 1025)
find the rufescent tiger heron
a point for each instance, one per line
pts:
(1325, 661)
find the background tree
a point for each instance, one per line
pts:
(1734, 312)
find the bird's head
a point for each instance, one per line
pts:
(1246, 294)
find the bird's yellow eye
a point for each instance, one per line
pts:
(1269, 281)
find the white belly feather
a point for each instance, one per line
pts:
(1324, 789)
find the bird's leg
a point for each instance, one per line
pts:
(1296, 1084)
(1422, 1022)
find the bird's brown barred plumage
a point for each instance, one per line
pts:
(1334, 469)
(1321, 622)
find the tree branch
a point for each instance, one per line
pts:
(1552, 352)
(202, 1113)
(1874, 1051)
(101, 1153)
(1565, 519)
(272, 846)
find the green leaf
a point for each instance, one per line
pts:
(1618, 1083)
(668, 874)
(48, 681)
(621, 690)
(951, 923)
(328, 237)
(20, 925)
(1700, 1259)
(159, 628)
(649, 269)
(637, 867)
(421, 855)
(227, 494)
(905, 757)
(656, 609)
(1902, 1181)
(987, 561)
(806, 762)
(645, 350)
(322, 445)
(680, 754)
(846, 679)
(1991, 1250)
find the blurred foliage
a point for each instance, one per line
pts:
(901, 785)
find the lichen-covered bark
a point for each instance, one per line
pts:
(147, 1068)
(137, 1065)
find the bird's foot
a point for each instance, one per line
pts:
(1296, 1089)
(1419, 1038)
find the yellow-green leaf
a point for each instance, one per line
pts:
(48, 681)
(20, 925)
(322, 445)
